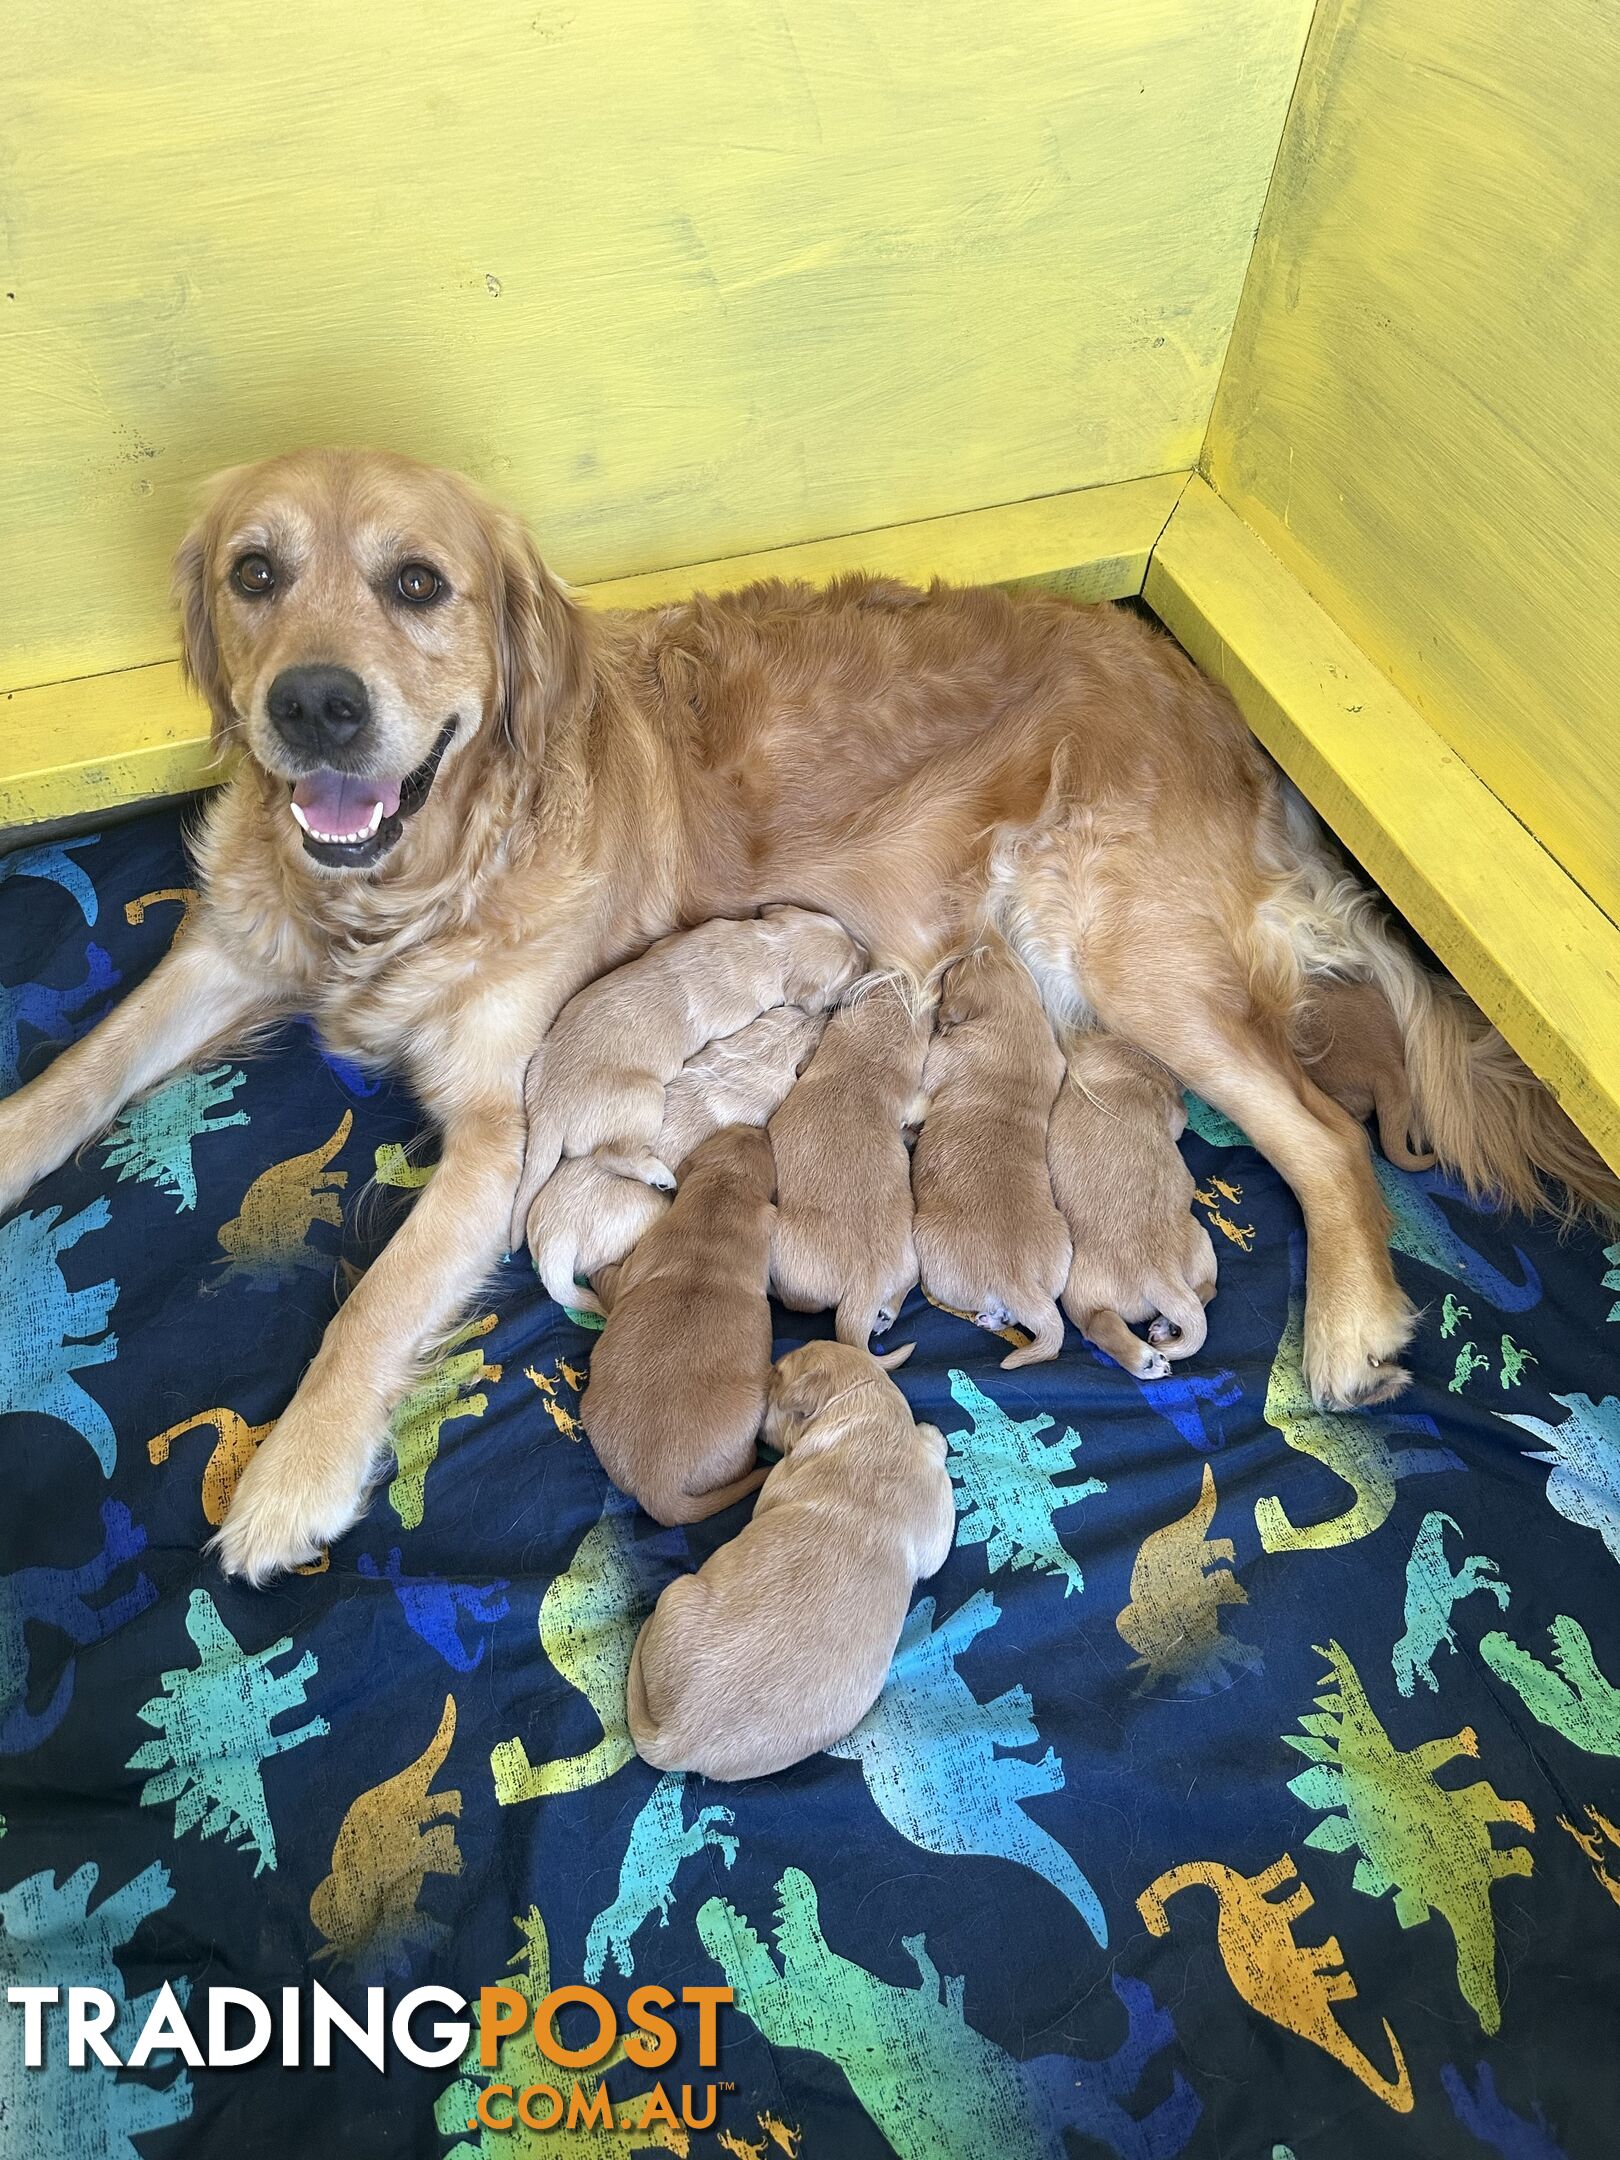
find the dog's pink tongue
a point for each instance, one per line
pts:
(341, 805)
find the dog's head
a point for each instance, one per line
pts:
(812, 1378)
(360, 623)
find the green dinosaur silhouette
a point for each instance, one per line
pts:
(1576, 1700)
(659, 1841)
(1429, 1844)
(214, 1727)
(437, 1400)
(152, 1140)
(589, 1619)
(1431, 1592)
(522, 2062)
(1514, 1360)
(1452, 1313)
(1469, 1362)
(1353, 1444)
(936, 2087)
(1007, 1489)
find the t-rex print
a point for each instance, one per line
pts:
(1422, 1231)
(46, 1329)
(267, 1244)
(1431, 1592)
(1192, 1401)
(1181, 1579)
(660, 1839)
(58, 1598)
(435, 1609)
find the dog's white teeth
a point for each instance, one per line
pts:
(376, 820)
(303, 821)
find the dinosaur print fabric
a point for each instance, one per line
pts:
(1246, 1783)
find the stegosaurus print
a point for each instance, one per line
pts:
(214, 1731)
(1007, 1490)
(46, 1328)
(152, 1140)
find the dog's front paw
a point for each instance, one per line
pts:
(303, 1489)
(1352, 1359)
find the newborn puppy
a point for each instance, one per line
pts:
(1139, 1251)
(1349, 1041)
(597, 1082)
(677, 1382)
(989, 1240)
(781, 1642)
(843, 1174)
(586, 1215)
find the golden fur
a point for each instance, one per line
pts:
(1347, 1039)
(842, 1236)
(989, 1238)
(677, 1383)
(781, 1642)
(909, 762)
(1139, 1251)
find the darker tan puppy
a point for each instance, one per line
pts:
(1139, 1251)
(843, 1172)
(677, 1384)
(989, 1240)
(1350, 1043)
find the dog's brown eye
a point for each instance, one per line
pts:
(255, 575)
(418, 584)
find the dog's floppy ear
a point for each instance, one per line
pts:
(542, 655)
(199, 648)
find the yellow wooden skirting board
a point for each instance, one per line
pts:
(103, 741)
(1519, 934)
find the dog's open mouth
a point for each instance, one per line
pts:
(349, 823)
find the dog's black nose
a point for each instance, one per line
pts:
(318, 709)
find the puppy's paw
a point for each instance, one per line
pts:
(992, 1317)
(299, 1493)
(1154, 1366)
(1163, 1331)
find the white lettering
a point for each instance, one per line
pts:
(32, 2002)
(329, 2015)
(90, 2011)
(452, 2036)
(221, 2054)
(164, 2032)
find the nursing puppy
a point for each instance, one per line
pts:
(1139, 1251)
(587, 1215)
(842, 1236)
(781, 1642)
(596, 1085)
(677, 1382)
(1349, 1041)
(989, 1239)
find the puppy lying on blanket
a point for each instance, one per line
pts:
(1349, 1041)
(677, 1383)
(597, 1083)
(587, 1216)
(1139, 1251)
(989, 1239)
(843, 1173)
(780, 1644)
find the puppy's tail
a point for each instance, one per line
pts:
(644, 1730)
(1047, 1329)
(1185, 1313)
(676, 1508)
(555, 1265)
(542, 1152)
(864, 1313)
(1483, 1113)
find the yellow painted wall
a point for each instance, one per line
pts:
(1419, 412)
(680, 277)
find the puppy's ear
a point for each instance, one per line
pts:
(199, 648)
(543, 660)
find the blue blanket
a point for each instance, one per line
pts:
(1248, 1781)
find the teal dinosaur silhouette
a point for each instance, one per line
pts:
(55, 861)
(659, 1841)
(214, 1732)
(1422, 1231)
(1431, 1592)
(1585, 1450)
(49, 1937)
(1611, 1277)
(1007, 1489)
(48, 1011)
(1452, 1313)
(45, 1327)
(58, 1598)
(152, 1140)
(935, 2086)
(1210, 1124)
(1576, 1700)
(928, 1749)
(1428, 1843)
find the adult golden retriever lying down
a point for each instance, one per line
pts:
(461, 797)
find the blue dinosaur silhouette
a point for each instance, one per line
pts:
(1585, 1451)
(49, 1937)
(54, 861)
(48, 1011)
(928, 1749)
(45, 1326)
(1190, 1400)
(1423, 1232)
(1486, 2116)
(57, 1598)
(1007, 1493)
(352, 1078)
(433, 1608)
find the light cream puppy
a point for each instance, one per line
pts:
(677, 1383)
(596, 1085)
(586, 1216)
(843, 1172)
(780, 1643)
(989, 1239)
(1140, 1253)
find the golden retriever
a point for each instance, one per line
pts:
(1347, 1038)
(782, 1640)
(517, 795)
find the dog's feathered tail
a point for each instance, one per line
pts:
(1045, 1325)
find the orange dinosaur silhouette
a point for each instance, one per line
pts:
(234, 1448)
(266, 1241)
(366, 1907)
